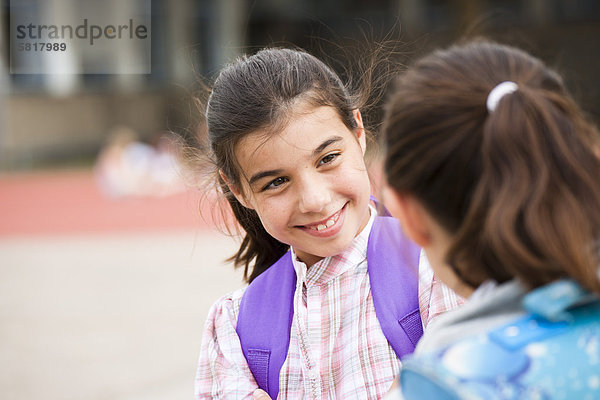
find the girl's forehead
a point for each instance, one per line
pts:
(303, 133)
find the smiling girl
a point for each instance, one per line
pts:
(288, 142)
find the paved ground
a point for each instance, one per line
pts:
(93, 310)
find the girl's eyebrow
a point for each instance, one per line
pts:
(274, 172)
(325, 144)
(263, 174)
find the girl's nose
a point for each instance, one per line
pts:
(313, 197)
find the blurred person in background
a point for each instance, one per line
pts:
(127, 167)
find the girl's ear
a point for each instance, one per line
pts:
(360, 130)
(236, 191)
(413, 217)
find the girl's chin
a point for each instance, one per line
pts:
(332, 248)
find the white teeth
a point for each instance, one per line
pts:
(328, 224)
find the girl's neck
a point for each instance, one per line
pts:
(309, 259)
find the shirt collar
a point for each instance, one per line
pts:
(330, 267)
(484, 290)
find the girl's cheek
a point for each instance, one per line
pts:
(273, 204)
(355, 176)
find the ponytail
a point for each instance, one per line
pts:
(538, 193)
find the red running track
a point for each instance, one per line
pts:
(69, 202)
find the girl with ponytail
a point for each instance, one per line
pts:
(495, 170)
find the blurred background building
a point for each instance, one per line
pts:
(66, 119)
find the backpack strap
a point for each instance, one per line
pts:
(393, 271)
(267, 306)
(265, 320)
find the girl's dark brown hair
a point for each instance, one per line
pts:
(257, 94)
(517, 187)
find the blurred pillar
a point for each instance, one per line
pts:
(129, 54)
(64, 72)
(180, 39)
(231, 18)
(412, 16)
(4, 162)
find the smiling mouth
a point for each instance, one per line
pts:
(326, 223)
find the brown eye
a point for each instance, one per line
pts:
(275, 183)
(328, 158)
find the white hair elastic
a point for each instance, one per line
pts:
(498, 92)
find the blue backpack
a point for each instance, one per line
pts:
(266, 309)
(553, 352)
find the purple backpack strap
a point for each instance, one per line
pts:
(265, 320)
(393, 262)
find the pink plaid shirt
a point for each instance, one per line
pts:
(337, 348)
